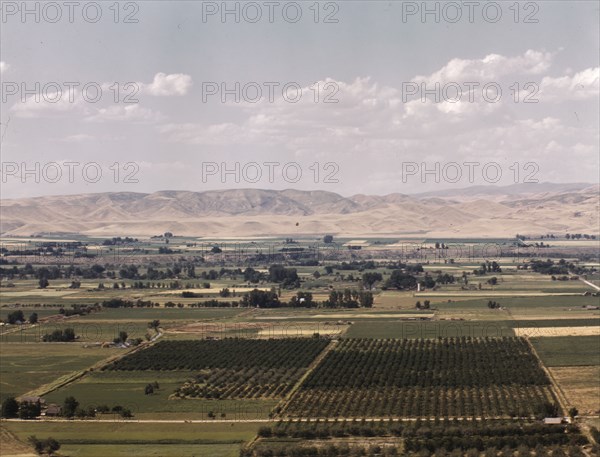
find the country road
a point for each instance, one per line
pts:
(590, 284)
(232, 421)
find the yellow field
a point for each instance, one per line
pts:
(12, 447)
(580, 385)
(558, 331)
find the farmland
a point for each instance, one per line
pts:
(314, 368)
(232, 368)
(459, 377)
(114, 439)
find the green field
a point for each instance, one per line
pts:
(24, 367)
(127, 389)
(380, 377)
(568, 350)
(166, 439)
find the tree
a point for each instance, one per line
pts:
(149, 390)
(493, 281)
(154, 324)
(70, 406)
(371, 278)
(261, 299)
(122, 338)
(573, 412)
(102, 409)
(328, 239)
(10, 408)
(426, 305)
(224, 292)
(51, 446)
(36, 444)
(33, 318)
(43, 282)
(15, 316)
(61, 336)
(29, 410)
(401, 280)
(427, 282)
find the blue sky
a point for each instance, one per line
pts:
(368, 140)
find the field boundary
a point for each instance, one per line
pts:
(314, 364)
(558, 392)
(67, 379)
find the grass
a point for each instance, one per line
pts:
(151, 450)
(565, 351)
(581, 386)
(81, 439)
(432, 329)
(23, 367)
(88, 331)
(127, 389)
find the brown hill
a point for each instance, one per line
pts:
(251, 212)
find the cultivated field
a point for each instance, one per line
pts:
(405, 372)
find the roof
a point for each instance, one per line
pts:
(32, 400)
(553, 420)
(54, 409)
(357, 243)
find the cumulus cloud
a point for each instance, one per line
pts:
(490, 68)
(51, 104)
(374, 121)
(580, 86)
(168, 85)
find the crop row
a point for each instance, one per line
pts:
(453, 377)
(495, 401)
(452, 362)
(220, 383)
(233, 353)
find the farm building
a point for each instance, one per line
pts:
(356, 244)
(53, 410)
(553, 420)
(39, 400)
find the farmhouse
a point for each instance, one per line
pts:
(553, 420)
(356, 244)
(53, 410)
(39, 400)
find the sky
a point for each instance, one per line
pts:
(352, 97)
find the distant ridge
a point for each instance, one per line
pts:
(512, 189)
(474, 211)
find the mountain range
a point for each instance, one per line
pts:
(482, 211)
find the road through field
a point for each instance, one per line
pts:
(590, 284)
(231, 421)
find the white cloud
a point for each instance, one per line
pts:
(3, 67)
(167, 85)
(490, 68)
(371, 122)
(132, 113)
(580, 86)
(36, 106)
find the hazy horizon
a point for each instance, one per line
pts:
(515, 187)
